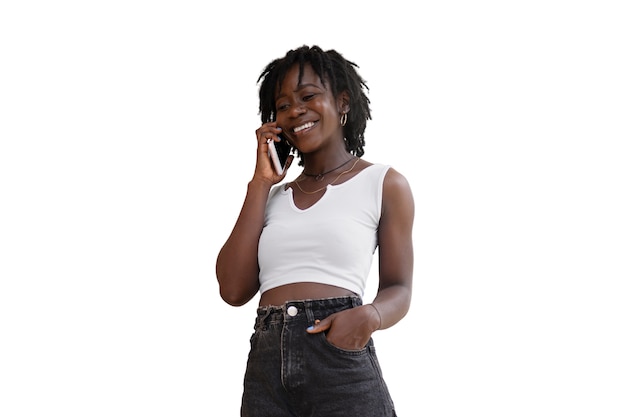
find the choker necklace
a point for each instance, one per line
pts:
(320, 176)
(333, 181)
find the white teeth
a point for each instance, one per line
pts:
(304, 126)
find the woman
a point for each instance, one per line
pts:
(307, 246)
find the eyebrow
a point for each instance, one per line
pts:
(301, 87)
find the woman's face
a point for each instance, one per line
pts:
(307, 111)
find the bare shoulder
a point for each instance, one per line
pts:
(396, 182)
(397, 194)
(393, 183)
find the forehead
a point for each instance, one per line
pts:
(295, 78)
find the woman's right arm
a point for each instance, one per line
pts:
(237, 266)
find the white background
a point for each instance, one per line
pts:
(127, 140)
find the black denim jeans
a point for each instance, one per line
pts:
(291, 373)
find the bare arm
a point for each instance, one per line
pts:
(237, 266)
(395, 249)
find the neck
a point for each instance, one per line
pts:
(315, 166)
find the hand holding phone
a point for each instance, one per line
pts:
(278, 152)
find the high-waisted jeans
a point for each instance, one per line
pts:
(291, 373)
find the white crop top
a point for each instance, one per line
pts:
(331, 242)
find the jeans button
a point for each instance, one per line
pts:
(292, 311)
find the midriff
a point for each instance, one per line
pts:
(301, 291)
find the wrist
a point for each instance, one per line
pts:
(256, 183)
(378, 317)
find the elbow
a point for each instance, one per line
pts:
(236, 297)
(236, 288)
(233, 299)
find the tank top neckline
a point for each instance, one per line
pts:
(288, 189)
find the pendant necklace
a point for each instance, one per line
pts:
(333, 181)
(320, 176)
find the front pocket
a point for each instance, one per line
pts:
(350, 352)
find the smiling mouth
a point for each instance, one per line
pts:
(304, 126)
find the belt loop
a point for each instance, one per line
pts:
(354, 300)
(264, 313)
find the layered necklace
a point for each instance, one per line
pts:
(321, 176)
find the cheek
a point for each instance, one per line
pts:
(280, 120)
(330, 110)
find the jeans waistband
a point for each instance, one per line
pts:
(313, 308)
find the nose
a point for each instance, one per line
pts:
(298, 110)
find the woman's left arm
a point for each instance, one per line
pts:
(395, 250)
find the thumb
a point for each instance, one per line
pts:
(319, 326)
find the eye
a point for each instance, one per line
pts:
(282, 107)
(308, 97)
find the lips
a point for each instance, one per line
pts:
(300, 128)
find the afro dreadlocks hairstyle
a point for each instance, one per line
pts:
(332, 68)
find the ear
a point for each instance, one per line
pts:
(343, 102)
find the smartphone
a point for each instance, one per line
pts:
(279, 151)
